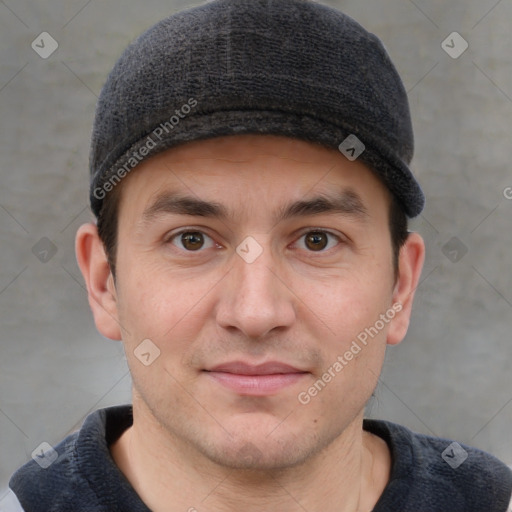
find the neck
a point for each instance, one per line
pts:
(349, 475)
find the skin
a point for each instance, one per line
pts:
(194, 443)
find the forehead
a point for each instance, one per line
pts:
(250, 172)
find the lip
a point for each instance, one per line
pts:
(242, 368)
(256, 380)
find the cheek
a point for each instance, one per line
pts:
(358, 313)
(349, 303)
(162, 318)
(163, 306)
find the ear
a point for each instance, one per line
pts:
(412, 256)
(99, 281)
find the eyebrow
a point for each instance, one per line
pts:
(347, 203)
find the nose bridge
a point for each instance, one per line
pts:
(254, 269)
(257, 301)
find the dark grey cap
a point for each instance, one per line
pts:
(286, 67)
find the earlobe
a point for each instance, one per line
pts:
(412, 256)
(93, 263)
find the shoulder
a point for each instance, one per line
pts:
(440, 474)
(50, 474)
(72, 473)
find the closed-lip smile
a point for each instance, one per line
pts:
(255, 379)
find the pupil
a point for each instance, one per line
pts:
(318, 240)
(192, 240)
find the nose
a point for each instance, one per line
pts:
(256, 297)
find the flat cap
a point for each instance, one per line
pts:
(285, 67)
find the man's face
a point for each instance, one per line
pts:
(298, 292)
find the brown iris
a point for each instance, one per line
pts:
(192, 240)
(316, 240)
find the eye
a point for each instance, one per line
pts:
(191, 240)
(318, 240)
(194, 240)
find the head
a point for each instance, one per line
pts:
(320, 278)
(239, 232)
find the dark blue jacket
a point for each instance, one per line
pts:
(428, 474)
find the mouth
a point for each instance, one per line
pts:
(255, 380)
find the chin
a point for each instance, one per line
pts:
(253, 455)
(263, 446)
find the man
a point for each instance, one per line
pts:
(250, 178)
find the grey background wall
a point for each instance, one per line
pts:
(450, 377)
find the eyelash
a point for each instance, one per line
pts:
(173, 236)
